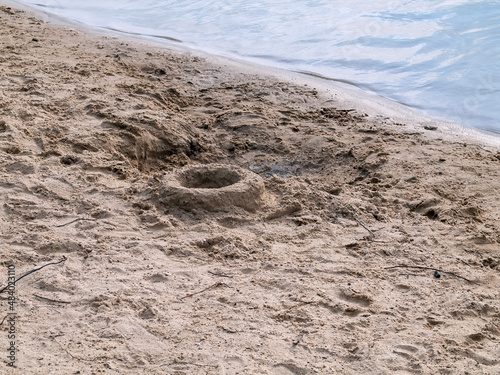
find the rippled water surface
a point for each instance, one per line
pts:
(442, 57)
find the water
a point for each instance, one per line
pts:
(442, 57)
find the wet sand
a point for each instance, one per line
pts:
(327, 267)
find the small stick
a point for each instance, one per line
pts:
(49, 299)
(65, 348)
(74, 221)
(219, 274)
(36, 269)
(429, 268)
(363, 225)
(464, 262)
(54, 336)
(204, 290)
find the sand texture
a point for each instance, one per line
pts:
(293, 278)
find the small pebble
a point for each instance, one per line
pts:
(437, 274)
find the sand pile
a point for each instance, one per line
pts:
(220, 223)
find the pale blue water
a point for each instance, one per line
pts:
(442, 57)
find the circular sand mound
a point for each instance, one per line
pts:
(213, 187)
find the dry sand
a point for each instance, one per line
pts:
(297, 282)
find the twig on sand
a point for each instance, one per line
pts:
(65, 348)
(219, 274)
(36, 269)
(363, 225)
(74, 221)
(50, 300)
(464, 262)
(429, 268)
(220, 283)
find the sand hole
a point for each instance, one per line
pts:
(213, 187)
(206, 178)
(432, 214)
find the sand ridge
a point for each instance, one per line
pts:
(91, 125)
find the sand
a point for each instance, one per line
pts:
(327, 267)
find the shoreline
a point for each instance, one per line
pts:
(203, 217)
(348, 95)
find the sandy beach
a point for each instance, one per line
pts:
(210, 220)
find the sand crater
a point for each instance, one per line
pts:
(214, 187)
(209, 178)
